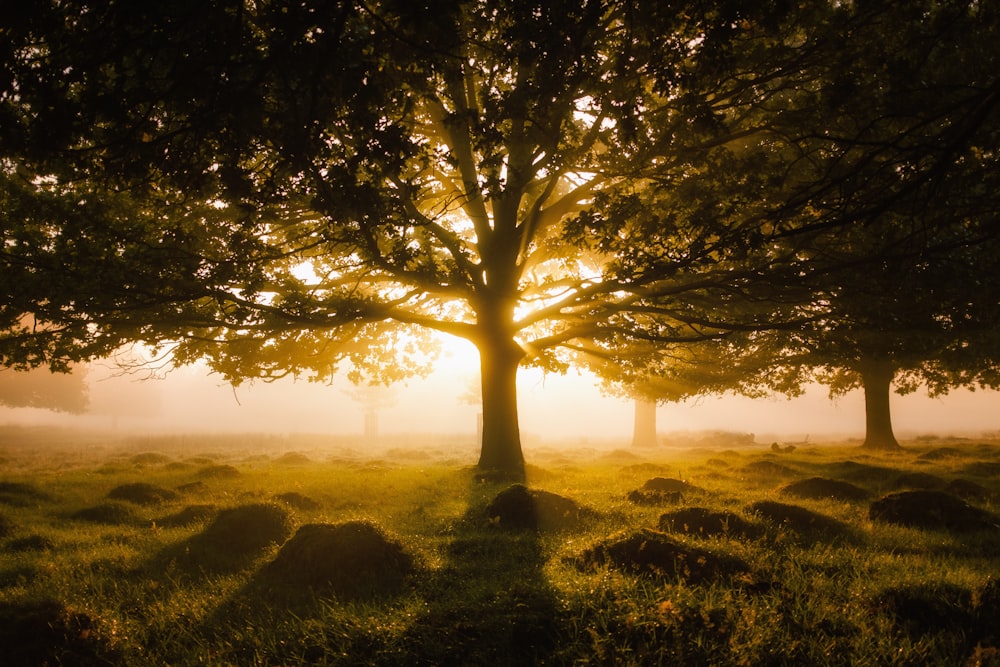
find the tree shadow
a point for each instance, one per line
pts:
(490, 602)
(487, 602)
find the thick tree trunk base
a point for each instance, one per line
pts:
(644, 427)
(502, 466)
(881, 444)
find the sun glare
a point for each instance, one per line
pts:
(458, 356)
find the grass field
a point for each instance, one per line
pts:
(179, 551)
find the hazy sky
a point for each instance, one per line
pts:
(552, 407)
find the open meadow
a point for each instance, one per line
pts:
(223, 550)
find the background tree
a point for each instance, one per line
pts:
(283, 189)
(41, 388)
(911, 298)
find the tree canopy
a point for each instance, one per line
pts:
(285, 188)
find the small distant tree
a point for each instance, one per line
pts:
(42, 388)
(372, 398)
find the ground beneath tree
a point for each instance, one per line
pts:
(933, 510)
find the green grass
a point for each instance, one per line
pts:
(130, 592)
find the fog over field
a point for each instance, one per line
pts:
(553, 409)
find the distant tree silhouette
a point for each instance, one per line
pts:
(42, 388)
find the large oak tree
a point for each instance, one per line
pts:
(282, 188)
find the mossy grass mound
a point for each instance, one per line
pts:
(941, 454)
(298, 501)
(111, 514)
(863, 473)
(981, 469)
(823, 487)
(969, 490)
(662, 491)
(142, 493)
(192, 487)
(799, 520)
(932, 510)
(20, 494)
(350, 560)
(669, 485)
(924, 608)
(150, 459)
(235, 537)
(188, 516)
(521, 508)
(46, 632)
(6, 526)
(218, 471)
(704, 521)
(654, 498)
(293, 459)
(29, 543)
(767, 468)
(918, 480)
(654, 553)
(248, 528)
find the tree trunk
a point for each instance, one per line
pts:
(876, 377)
(644, 427)
(501, 436)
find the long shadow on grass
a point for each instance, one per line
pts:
(490, 603)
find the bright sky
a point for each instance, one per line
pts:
(552, 408)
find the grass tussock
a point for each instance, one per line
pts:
(807, 556)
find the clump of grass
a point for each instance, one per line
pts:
(45, 632)
(30, 543)
(298, 501)
(142, 493)
(235, 537)
(767, 468)
(918, 480)
(706, 522)
(934, 510)
(653, 553)
(106, 513)
(293, 459)
(219, 471)
(521, 508)
(20, 494)
(188, 516)
(824, 487)
(150, 459)
(351, 560)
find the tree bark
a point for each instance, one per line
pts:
(501, 436)
(876, 376)
(644, 427)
